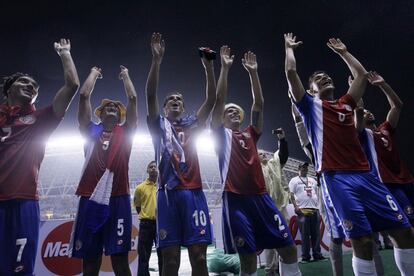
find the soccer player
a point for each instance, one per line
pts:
(23, 135)
(182, 212)
(145, 202)
(251, 221)
(362, 204)
(104, 214)
(382, 147)
(327, 211)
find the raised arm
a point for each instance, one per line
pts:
(302, 134)
(359, 118)
(131, 113)
(66, 93)
(208, 104)
(221, 96)
(357, 89)
(256, 117)
(294, 82)
(85, 108)
(157, 49)
(395, 102)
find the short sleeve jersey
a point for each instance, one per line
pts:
(96, 166)
(22, 148)
(239, 164)
(305, 190)
(331, 131)
(385, 156)
(145, 198)
(172, 172)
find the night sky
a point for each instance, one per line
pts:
(108, 33)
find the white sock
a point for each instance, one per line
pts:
(379, 266)
(335, 254)
(363, 267)
(289, 269)
(247, 274)
(404, 258)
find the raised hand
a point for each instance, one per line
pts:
(375, 79)
(207, 63)
(290, 41)
(226, 59)
(123, 73)
(337, 45)
(62, 46)
(157, 47)
(97, 71)
(249, 62)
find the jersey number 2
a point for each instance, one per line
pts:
(279, 222)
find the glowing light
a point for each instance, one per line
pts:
(205, 142)
(142, 139)
(66, 142)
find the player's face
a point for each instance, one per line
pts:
(174, 106)
(369, 118)
(110, 113)
(24, 89)
(232, 118)
(322, 85)
(152, 170)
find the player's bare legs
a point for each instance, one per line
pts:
(198, 259)
(288, 254)
(402, 238)
(363, 247)
(91, 266)
(120, 264)
(171, 260)
(248, 263)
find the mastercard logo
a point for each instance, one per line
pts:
(55, 251)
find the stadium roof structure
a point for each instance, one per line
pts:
(63, 163)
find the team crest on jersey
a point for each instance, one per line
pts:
(348, 225)
(400, 216)
(28, 119)
(120, 242)
(246, 134)
(163, 234)
(285, 235)
(203, 232)
(19, 269)
(409, 210)
(239, 241)
(78, 245)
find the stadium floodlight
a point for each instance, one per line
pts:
(142, 139)
(205, 142)
(65, 142)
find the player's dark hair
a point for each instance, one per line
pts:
(310, 80)
(168, 97)
(7, 81)
(149, 164)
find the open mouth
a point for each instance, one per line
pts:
(326, 82)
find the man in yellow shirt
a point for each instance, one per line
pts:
(145, 203)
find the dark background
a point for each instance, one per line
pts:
(109, 33)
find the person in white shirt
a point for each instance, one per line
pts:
(304, 196)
